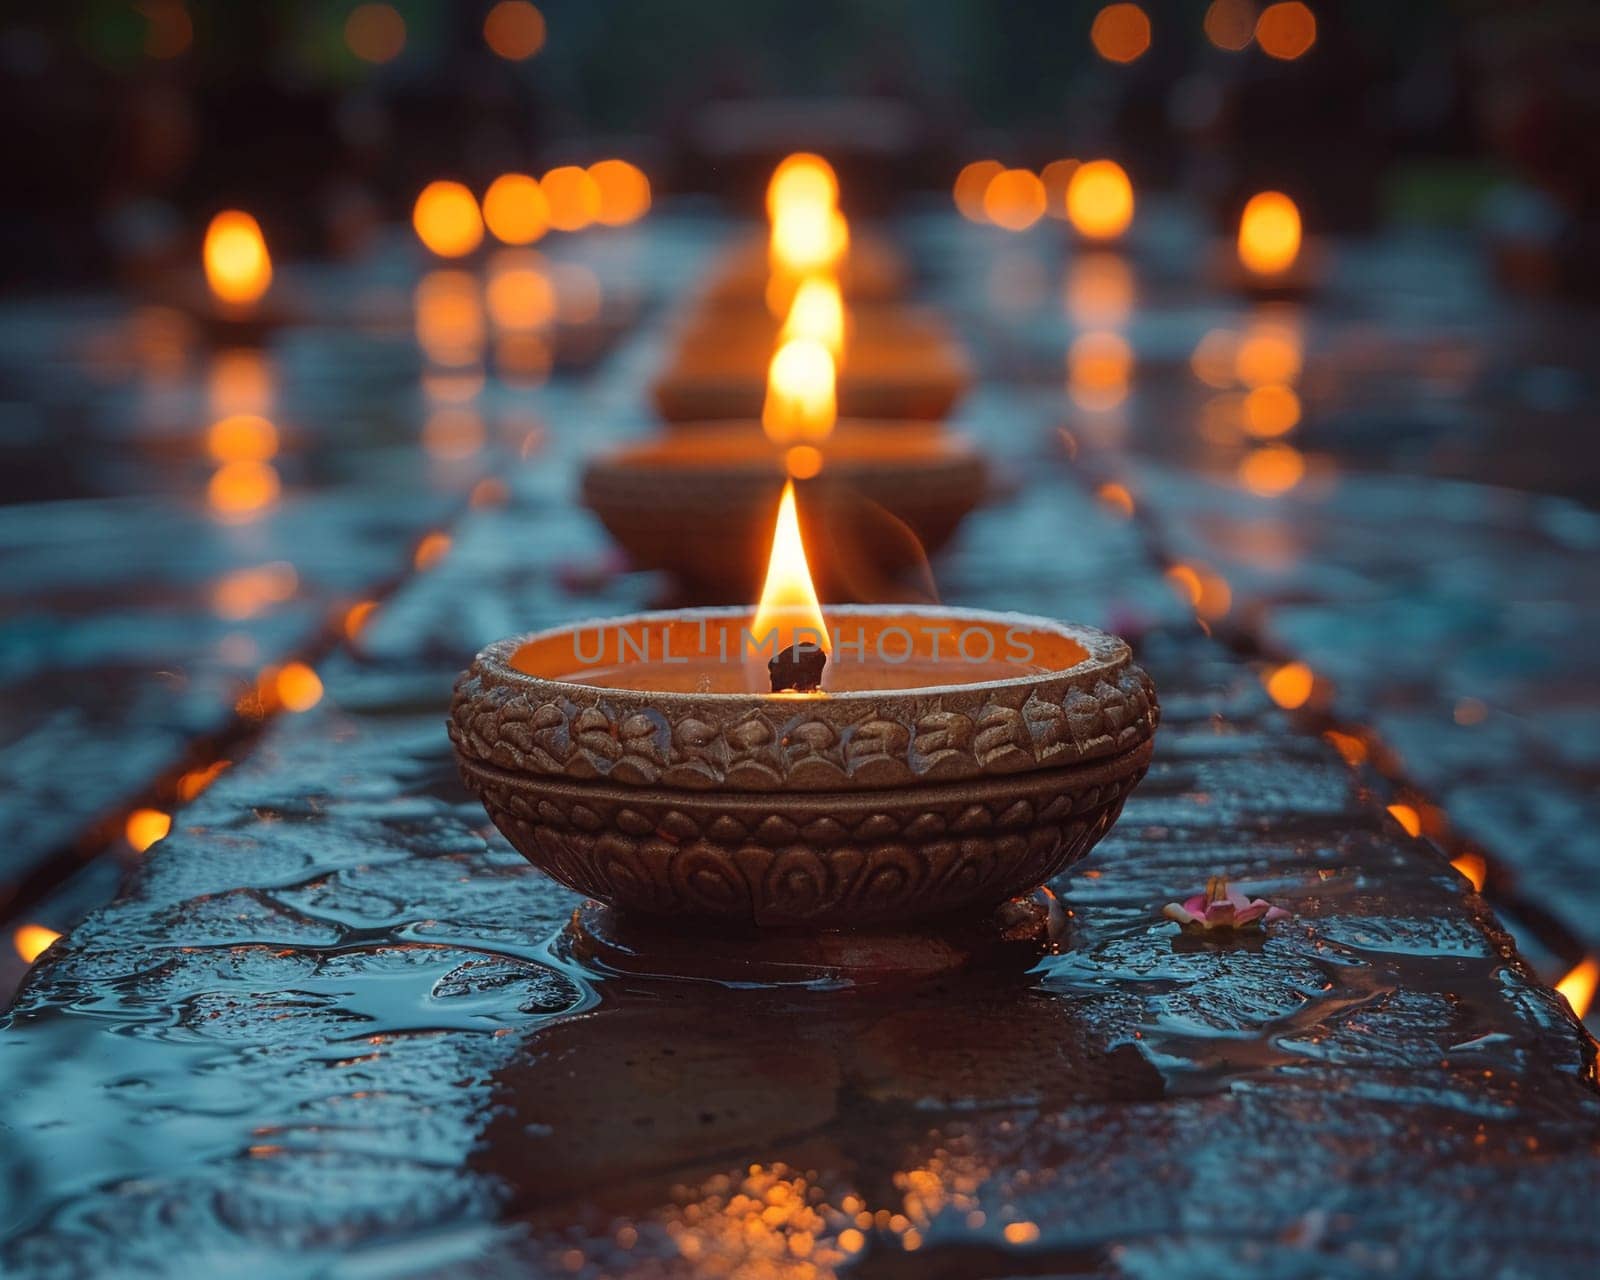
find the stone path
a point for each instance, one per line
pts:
(323, 1029)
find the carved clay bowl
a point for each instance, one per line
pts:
(698, 503)
(863, 808)
(901, 363)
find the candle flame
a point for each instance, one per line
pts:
(238, 268)
(817, 312)
(788, 597)
(31, 940)
(1579, 985)
(1100, 200)
(801, 179)
(801, 399)
(1269, 234)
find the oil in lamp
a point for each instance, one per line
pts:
(696, 501)
(799, 792)
(1270, 257)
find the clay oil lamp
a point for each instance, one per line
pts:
(1270, 259)
(799, 792)
(694, 501)
(807, 235)
(894, 361)
(232, 300)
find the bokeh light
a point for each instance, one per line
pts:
(1014, 199)
(573, 197)
(1120, 32)
(1271, 470)
(514, 29)
(240, 490)
(447, 219)
(1269, 233)
(298, 687)
(1287, 30)
(1099, 368)
(515, 209)
(1230, 24)
(802, 179)
(1100, 200)
(237, 265)
(145, 827)
(375, 32)
(972, 183)
(1056, 176)
(1290, 685)
(624, 192)
(1271, 410)
(242, 437)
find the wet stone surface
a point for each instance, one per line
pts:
(325, 1028)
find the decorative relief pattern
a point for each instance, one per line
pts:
(804, 861)
(530, 726)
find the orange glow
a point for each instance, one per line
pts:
(1290, 685)
(1271, 470)
(1474, 867)
(808, 240)
(817, 313)
(453, 433)
(972, 184)
(1116, 497)
(238, 267)
(521, 296)
(1230, 24)
(450, 322)
(572, 196)
(523, 358)
(432, 549)
(1100, 200)
(242, 437)
(1469, 711)
(1407, 817)
(1121, 32)
(170, 31)
(239, 490)
(1285, 31)
(375, 32)
(298, 687)
(515, 210)
(1099, 289)
(245, 592)
(788, 598)
(1024, 1232)
(802, 461)
(1269, 233)
(241, 381)
(800, 401)
(31, 941)
(624, 192)
(1350, 747)
(447, 220)
(1099, 367)
(356, 619)
(802, 180)
(146, 826)
(453, 386)
(1014, 199)
(514, 29)
(1269, 353)
(1187, 583)
(1578, 986)
(195, 781)
(1056, 176)
(1272, 410)
(1215, 357)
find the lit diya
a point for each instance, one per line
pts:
(234, 304)
(880, 495)
(807, 235)
(803, 787)
(1271, 258)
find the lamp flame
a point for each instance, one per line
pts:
(788, 598)
(238, 268)
(1100, 200)
(1579, 985)
(801, 179)
(31, 940)
(801, 400)
(1269, 234)
(817, 312)
(809, 234)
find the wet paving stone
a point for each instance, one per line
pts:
(327, 1027)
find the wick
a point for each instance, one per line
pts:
(798, 669)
